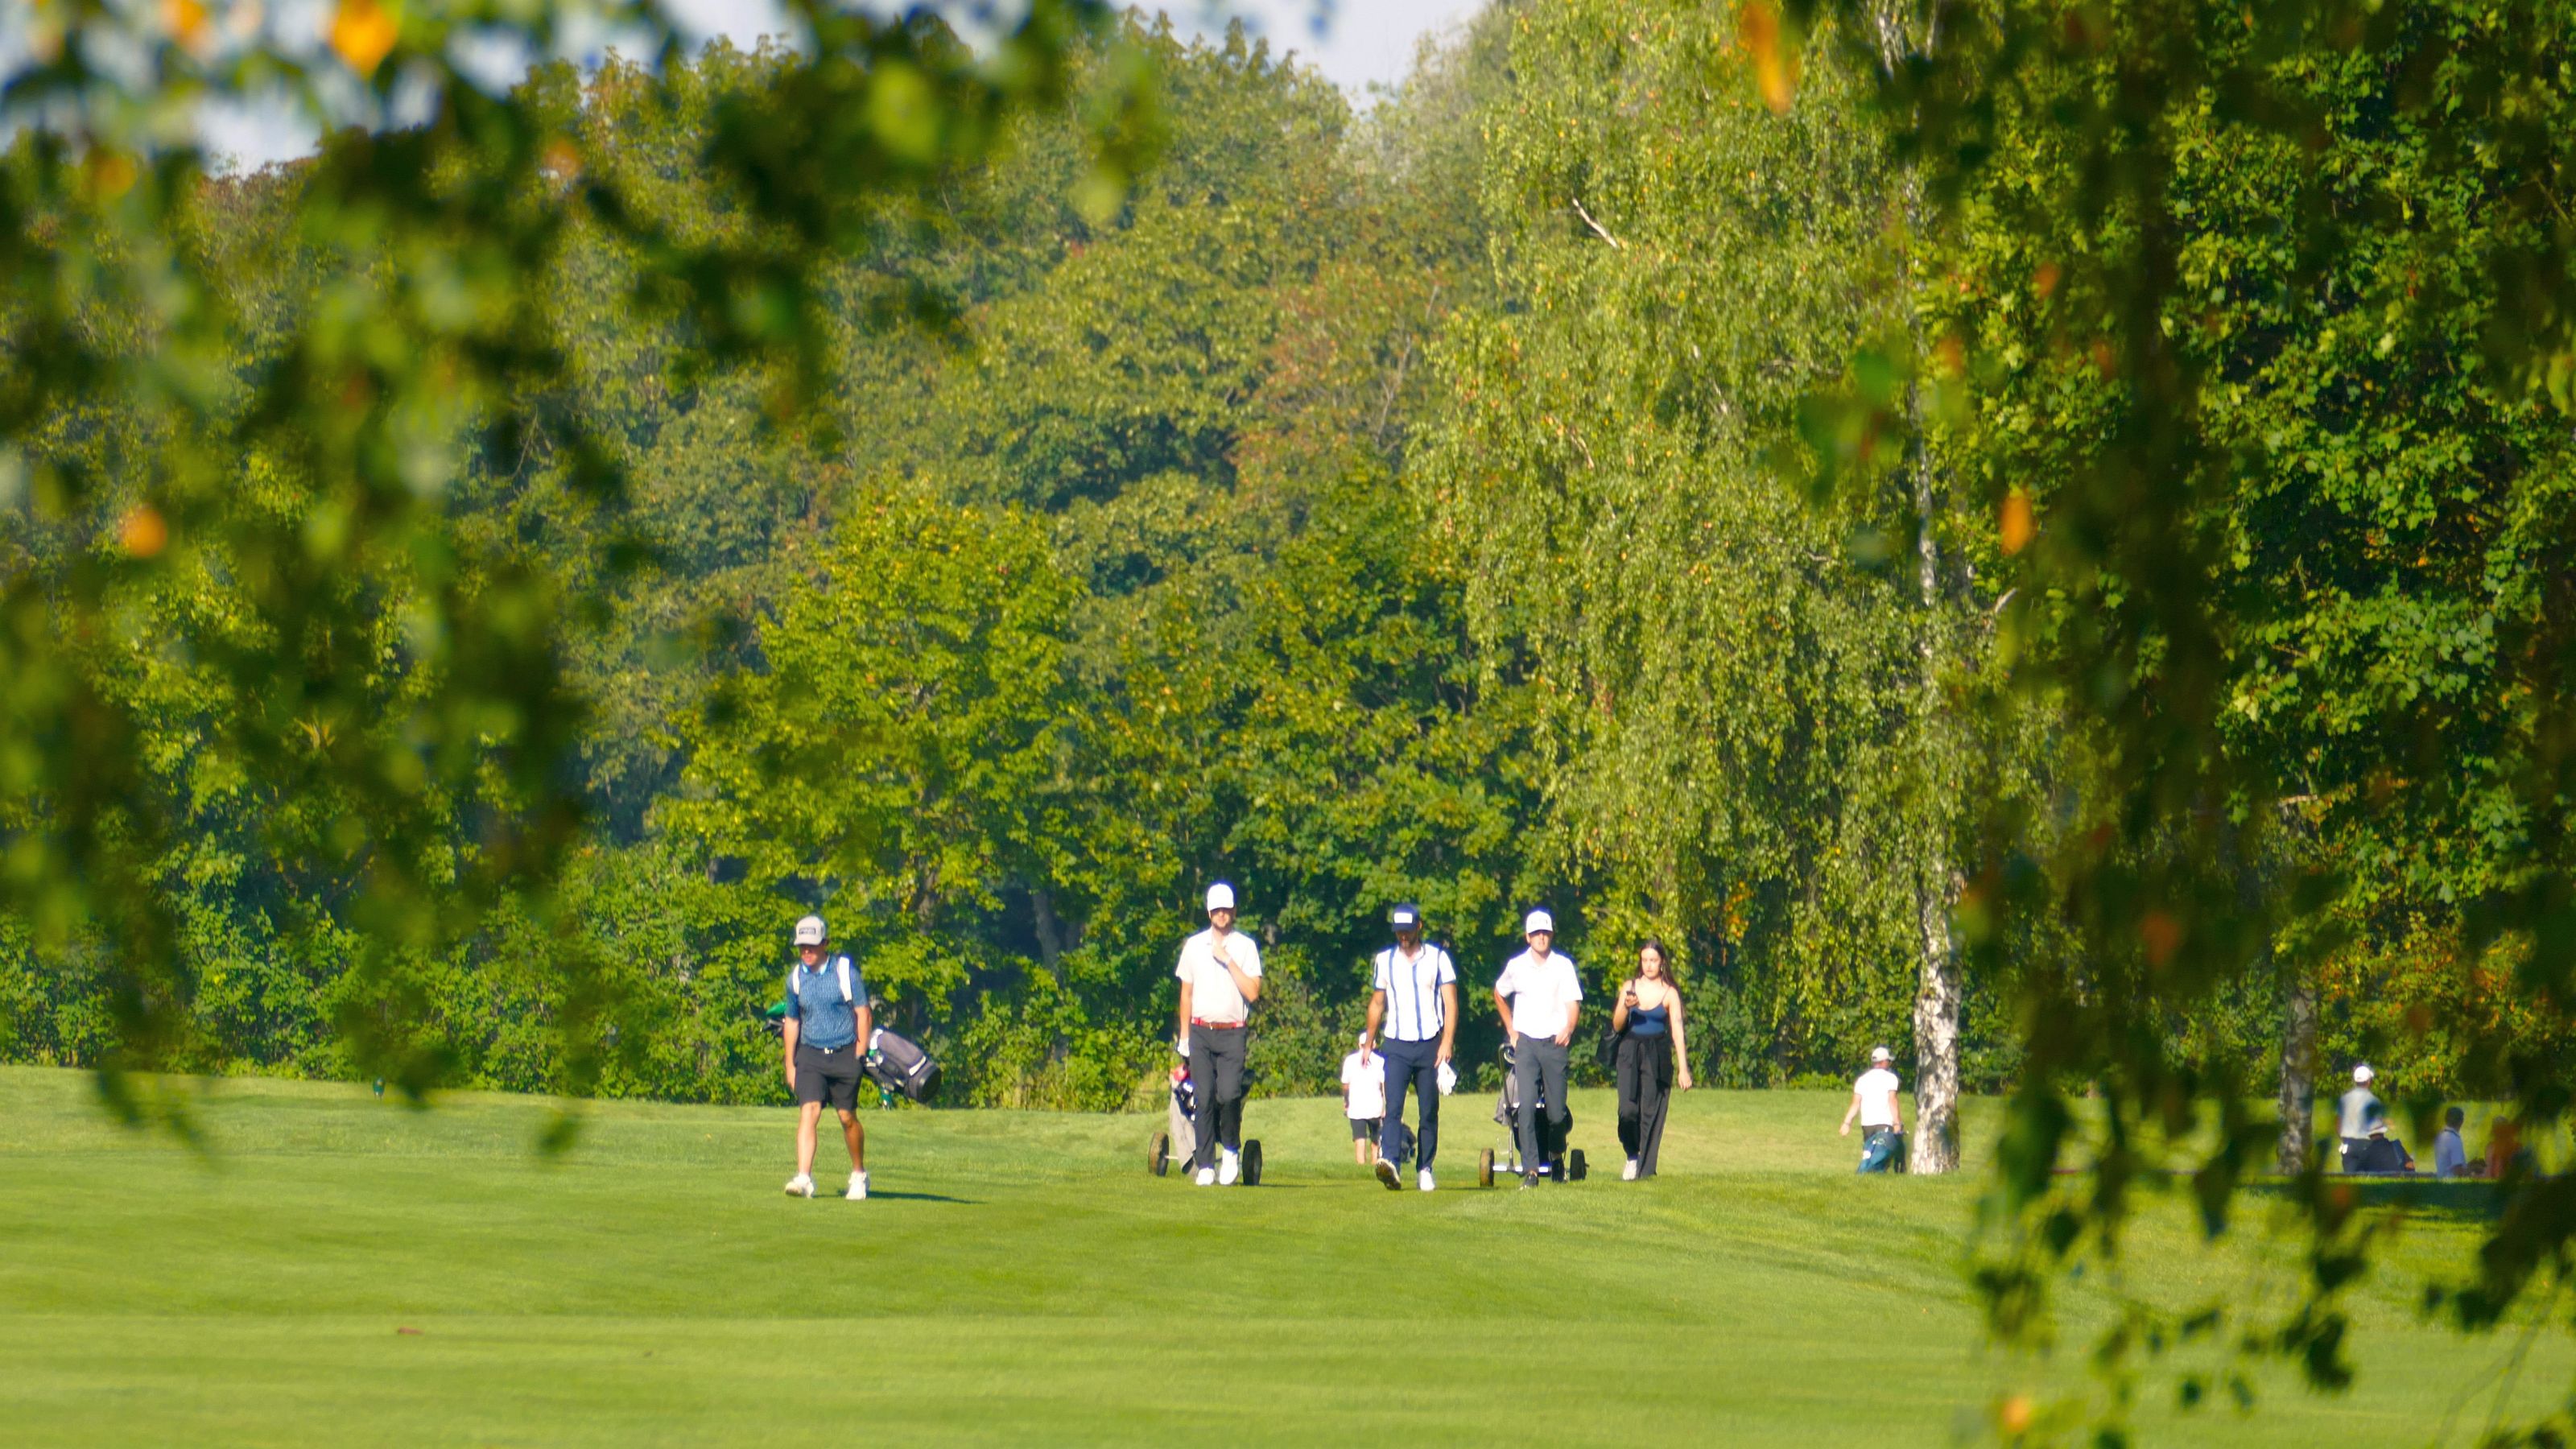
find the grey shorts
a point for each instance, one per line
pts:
(831, 1076)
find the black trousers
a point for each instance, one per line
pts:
(1414, 1063)
(1645, 1065)
(1538, 1069)
(1216, 1069)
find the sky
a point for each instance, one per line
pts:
(1362, 42)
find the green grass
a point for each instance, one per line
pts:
(1020, 1280)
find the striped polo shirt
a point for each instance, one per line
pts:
(1412, 986)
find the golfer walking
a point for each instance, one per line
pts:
(1882, 1121)
(1220, 976)
(1414, 996)
(1540, 999)
(826, 1033)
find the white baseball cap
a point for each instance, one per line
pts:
(809, 931)
(2361, 1073)
(1220, 897)
(1881, 1054)
(1538, 921)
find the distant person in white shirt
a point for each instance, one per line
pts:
(1220, 976)
(2352, 1116)
(1882, 1122)
(1364, 1100)
(1540, 998)
(1413, 995)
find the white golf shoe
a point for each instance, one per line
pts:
(858, 1187)
(1207, 1177)
(800, 1185)
(1629, 1172)
(1425, 1180)
(1229, 1166)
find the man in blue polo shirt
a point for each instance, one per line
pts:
(827, 1031)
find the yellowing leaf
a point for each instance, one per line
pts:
(108, 174)
(185, 20)
(2019, 526)
(144, 532)
(363, 32)
(1775, 56)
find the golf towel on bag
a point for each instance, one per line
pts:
(898, 1064)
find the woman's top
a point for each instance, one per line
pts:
(1649, 1021)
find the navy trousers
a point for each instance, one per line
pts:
(1414, 1063)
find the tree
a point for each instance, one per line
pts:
(1747, 706)
(2261, 337)
(902, 754)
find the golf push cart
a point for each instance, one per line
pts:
(1556, 1163)
(1179, 1139)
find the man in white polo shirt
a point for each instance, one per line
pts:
(1540, 999)
(1220, 975)
(1414, 995)
(1882, 1123)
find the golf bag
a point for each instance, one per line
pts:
(1882, 1151)
(1184, 1126)
(1507, 1113)
(899, 1065)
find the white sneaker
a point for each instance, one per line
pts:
(1207, 1177)
(1229, 1166)
(1426, 1179)
(858, 1187)
(800, 1186)
(1629, 1172)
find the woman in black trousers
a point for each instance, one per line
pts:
(1648, 1023)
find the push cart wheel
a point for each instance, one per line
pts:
(1252, 1163)
(1485, 1168)
(1158, 1156)
(1574, 1168)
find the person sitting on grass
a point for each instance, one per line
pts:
(826, 1033)
(1364, 1100)
(2352, 1116)
(2450, 1154)
(1882, 1122)
(2381, 1151)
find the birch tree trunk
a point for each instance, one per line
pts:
(2298, 1070)
(1935, 1145)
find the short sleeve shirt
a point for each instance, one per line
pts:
(1412, 986)
(1543, 992)
(2353, 1113)
(2450, 1157)
(1367, 1082)
(825, 1020)
(1877, 1088)
(1213, 997)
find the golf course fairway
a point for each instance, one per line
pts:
(329, 1267)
